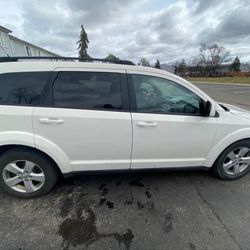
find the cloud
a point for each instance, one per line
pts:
(233, 25)
(99, 11)
(204, 6)
(128, 29)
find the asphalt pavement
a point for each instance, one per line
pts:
(163, 210)
(237, 94)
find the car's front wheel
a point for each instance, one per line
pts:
(234, 161)
(26, 173)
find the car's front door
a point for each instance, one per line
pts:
(87, 120)
(168, 129)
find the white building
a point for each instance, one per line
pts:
(13, 46)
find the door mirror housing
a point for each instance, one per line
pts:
(206, 108)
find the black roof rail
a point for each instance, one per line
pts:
(16, 58)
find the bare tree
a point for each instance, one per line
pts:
(211, 57)
(144, 62)
(24, 95)
(111, 57)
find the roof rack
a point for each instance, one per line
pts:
(15, 59)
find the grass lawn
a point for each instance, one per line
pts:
(235, 79)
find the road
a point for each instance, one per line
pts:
(169, 210)
(238, 95)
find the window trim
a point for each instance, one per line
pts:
(133, 103)
(125, 106)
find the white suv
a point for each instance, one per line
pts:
(60, 117)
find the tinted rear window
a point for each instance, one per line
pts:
(88, 90)
(22, 88)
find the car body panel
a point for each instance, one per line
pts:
(16, 125)
(231, 128)
(91, 140)
(175, 141)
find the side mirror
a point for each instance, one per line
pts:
(206, 108)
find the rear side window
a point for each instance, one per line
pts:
(88, 90)
(23, 88)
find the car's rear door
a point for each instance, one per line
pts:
(88, 119)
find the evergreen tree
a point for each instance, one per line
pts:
(157, 64)
(235, 66)
(83, 44)
(181, 67)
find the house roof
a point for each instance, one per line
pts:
(5, 29)
(31, 44)
(25, 42)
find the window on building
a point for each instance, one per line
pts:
(2, 40)
(12, 47)
(28, 51)
(88, 90)
(22, 88)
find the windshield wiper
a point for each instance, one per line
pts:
(224, 107)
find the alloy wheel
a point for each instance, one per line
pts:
(237, 161)
(23, 176)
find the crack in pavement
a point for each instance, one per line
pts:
(216, 215)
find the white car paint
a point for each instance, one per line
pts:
(100, 140)
(173, 142)
(232, 126)
(91, 140)
(16, 125)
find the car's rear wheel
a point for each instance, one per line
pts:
(26, 173)
(234, 162)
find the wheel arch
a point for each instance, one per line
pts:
(5, 148)
(241, 135)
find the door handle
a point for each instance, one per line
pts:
(52, 121)
(147, 124)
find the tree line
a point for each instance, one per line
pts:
(206, 63)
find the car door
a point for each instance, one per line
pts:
(168, 129)
(88, 121)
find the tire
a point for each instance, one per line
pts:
(26, 173)
(233, 163)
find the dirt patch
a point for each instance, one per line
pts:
(148, 194)
(168, 222)
(136, 183)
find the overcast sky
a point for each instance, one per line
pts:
(131, 29)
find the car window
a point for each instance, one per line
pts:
(88, 90)
(22, 88)
(159, 95)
